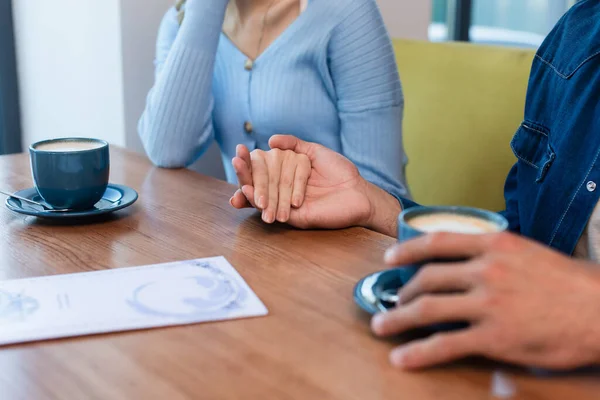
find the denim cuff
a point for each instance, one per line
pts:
(405, 203)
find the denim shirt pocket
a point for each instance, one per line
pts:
(531, 145)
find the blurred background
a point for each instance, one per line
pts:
(520, 23)
(84, 67)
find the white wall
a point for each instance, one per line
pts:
(406, 18)
(139, 26)
(69, 57)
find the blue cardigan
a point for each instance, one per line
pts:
(330, 78)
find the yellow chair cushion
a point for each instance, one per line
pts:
(464, 103)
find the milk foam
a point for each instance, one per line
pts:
(69, 146)
(452, 223)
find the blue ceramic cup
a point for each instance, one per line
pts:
(418, 221)
(70, 173)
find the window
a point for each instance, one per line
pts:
(438, 30)
(10, 135)
(521, 23)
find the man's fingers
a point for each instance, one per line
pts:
(303, 171)
(260, 178)
(426, 311)
(242, 171)
(438, 278)
(438, 349)
(239, 201)
(439, 246)
(289, 142)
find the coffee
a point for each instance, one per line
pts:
(68, 145)
(455, 223)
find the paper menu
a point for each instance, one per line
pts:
(177, 293)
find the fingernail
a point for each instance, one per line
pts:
(282, 217)
(267, 217)
(398, 358)
(390, 255)
(377, 323)
(261, 202)
(231, 201)
(296, 203)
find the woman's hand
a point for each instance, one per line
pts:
(272, 181)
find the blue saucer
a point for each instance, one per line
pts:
(368, 289)
(115, 198)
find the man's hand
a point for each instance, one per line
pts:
(526, 303)
(336, 196)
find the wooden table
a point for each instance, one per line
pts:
(315, 344)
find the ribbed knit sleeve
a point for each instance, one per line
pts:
(176, 126)
(369, 97)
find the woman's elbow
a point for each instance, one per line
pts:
(165, 160)
(161, 155)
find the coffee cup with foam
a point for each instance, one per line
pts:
(70, 173)
(419, 221)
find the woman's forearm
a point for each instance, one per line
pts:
(177, 122)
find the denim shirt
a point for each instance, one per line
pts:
(554, 187)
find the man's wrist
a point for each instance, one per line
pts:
(383, 210)
(586, 349)
(595, 332)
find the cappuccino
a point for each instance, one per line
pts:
(455, 223)
(69, 145)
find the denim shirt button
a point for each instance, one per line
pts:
(591, 186)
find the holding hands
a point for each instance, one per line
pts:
(271, 181)
(303, 184)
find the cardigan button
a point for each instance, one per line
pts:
(591, 186)
(248, 127)
(248, 65)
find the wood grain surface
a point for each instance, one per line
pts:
(315, 343)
